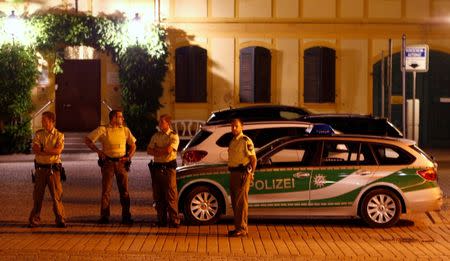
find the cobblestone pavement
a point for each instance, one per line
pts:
(423, 236)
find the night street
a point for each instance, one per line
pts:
(302, 127)
(284, 239)
(81, 197)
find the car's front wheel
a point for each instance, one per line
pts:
(203, 206)
(381, 208)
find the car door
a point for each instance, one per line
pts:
(282, 177)
(345, 168)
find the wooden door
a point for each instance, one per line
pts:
(436, 101)
(433, 92)
(77, 98)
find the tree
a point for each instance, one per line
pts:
(18, 74)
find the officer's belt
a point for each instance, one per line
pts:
(238, 168)
(113, 159)
(54, 166)
(169, 165)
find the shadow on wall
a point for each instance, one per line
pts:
(219, 91)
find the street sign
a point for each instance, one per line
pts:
(416, 58)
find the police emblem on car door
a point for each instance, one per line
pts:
(345, 168)
(282, 178)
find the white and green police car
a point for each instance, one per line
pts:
(374, 178)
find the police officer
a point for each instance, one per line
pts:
(48, 144)
(242, 164)
(163, 146)
(113, 160)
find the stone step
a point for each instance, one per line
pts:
(74, 142)
(75, 136)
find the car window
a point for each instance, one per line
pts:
(346, 153)
(263, 136)
(245, 115)
(290, 115)
(366, 156)
(392, 155)
(254, 115)
(257, 114)
(420, 151)
(292, 154)
(198, 138)
(393, 131)
(225, 139)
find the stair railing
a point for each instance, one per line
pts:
(39, 112)
(107, 105)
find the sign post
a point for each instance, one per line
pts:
(403, 70)
(416, 60)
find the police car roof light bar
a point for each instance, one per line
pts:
(320, 129)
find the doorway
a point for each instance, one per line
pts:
(77, 96)
(431, 89)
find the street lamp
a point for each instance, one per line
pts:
(136, 29)
(15, 27)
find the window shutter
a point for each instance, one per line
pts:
(246, 71)
(255, 74)
(181, 74)
(197, 71)
(262, 74)
(319, 74)
(312, 75)
(190, 74)
(327, 93)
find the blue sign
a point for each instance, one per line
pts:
(415, 52)
(416, 58)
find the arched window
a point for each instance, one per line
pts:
(320, 75)
(190, 74)
(255, 74)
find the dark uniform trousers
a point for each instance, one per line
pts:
(165, 194)
(44, 177)
(239, 187)
(109, 170)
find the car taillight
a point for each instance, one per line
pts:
(193, 156)
(428, 174)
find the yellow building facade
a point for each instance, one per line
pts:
(358, 31)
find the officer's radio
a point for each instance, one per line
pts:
(33, 176)
(249, 168)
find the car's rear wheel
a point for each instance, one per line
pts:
(381, 208)
(203, 206)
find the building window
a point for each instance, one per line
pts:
(190, 74)
(255, 74)
(320, 75)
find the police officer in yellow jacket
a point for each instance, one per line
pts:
(48, 144)
(163, 146)
(113, 160)
(242, 164)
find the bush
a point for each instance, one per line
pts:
(141, 78)
(18, 73)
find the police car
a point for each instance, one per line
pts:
(374, 178)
